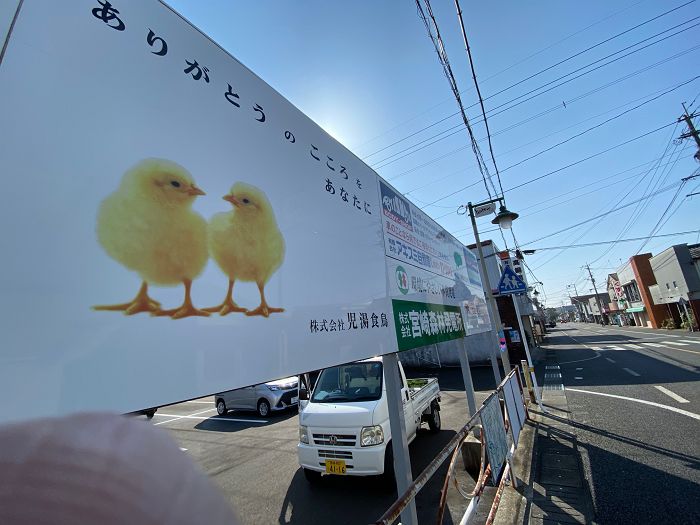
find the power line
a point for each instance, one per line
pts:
(543, 71)
(663, 190)
(525, 121)
(537, 140)
(478, 93)
(558, 170)
(439, 46)
(599, 243)
(542, 50)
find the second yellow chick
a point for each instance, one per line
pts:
(247, 245)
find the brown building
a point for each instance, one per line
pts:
(636, 277)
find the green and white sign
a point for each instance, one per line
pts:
(421, 324)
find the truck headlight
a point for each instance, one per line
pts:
(371, 436)
(304, 434)
(274, 388)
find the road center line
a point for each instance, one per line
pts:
(655, 345)
(632, 345)
(676, 343)
(691, 341)
(672, 394)
(631, 372)
(651, 403)
(610, 360)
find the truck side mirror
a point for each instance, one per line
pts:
(303, 394)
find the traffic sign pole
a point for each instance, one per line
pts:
(527, 353)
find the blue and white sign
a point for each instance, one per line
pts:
(510, 283)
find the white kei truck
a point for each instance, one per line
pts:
(344, 427)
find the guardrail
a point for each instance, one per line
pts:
(510, 398)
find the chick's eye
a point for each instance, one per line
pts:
(246, 201)
(175, 183)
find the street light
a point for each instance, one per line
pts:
(505, 220)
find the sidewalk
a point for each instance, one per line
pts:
(552, 488)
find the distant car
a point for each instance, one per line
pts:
(263, 398)
(551, 324)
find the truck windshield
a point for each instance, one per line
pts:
(348, 383)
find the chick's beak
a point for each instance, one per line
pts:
(194, 190)
(232, 199)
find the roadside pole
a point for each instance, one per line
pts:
(467, 376)
(527, 353)
(399, 442)
(493, 307)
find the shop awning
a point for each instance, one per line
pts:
(635, 309)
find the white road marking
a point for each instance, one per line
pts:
(655, 345)
(608, 359)
(632, 345)
(631, 372)
(616, 348)
(202, 402)
(651, 403)
(213, 419)
(579, 369)
(672, 394)
(176, 417)
(183, 449)
(596, 348)
(647, 333)
(682, 350)
(578, 378)
(697, 341)
(676, 343)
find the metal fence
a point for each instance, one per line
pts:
(506, 395)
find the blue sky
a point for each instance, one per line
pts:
(368, 74)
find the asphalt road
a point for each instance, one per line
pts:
(640, 442)
(254, 460)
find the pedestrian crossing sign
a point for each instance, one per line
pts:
(510, 282)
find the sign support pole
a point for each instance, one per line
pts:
(399, 441)
(527, 353)
(467, 376)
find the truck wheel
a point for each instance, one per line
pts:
(221, 407)
(435, 423)
(313, 477)
(263, 408)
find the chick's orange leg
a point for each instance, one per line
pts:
(187, 309)
(229, 305)
(264, 309)
(141, 303)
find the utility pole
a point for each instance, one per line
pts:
(692, 132)
(595, 289)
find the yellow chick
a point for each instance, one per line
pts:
(247, 245)
(149, 227)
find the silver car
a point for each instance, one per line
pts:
(263, 398)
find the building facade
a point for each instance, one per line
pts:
(636, 277)
(677, 276)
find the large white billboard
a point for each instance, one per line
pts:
(128, 140)
(174, 227)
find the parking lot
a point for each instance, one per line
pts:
(254, 462)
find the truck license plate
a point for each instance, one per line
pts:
(335, 466)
